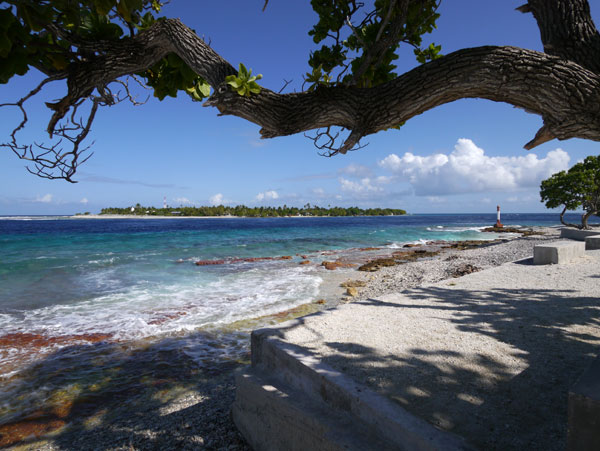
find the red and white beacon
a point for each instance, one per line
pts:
(498, 223)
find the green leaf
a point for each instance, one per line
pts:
(204, 88)
(5, 45)
(6, 19)
(254, 88)
(123, 10)
(103, 7)
(174, 60)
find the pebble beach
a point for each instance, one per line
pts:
(188, 408)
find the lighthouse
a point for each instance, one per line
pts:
(498, 223)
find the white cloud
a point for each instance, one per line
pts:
(46, 199)
(356, 170)
(467, 170)
(383, 179)
(217, 199)
(84, 201)
(525, 198)
(183, 201)
(319, 192)
(267, 195)
(363, 186)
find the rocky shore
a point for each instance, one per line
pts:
(189, 409)
(452, 262)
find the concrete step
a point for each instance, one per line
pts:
(577, 234)
(279, 409)
(592, 242)
(557, 252)
(273, 416)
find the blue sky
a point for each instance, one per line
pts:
(466, 156)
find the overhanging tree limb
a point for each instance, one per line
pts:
(566, 95)
(561, 85)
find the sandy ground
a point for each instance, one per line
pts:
(489, 356)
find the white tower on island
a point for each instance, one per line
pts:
(164, 201)
(498, 223)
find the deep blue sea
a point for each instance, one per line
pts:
(66, 281)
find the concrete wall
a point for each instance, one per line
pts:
(576, 234)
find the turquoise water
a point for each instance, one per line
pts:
(73, 292)
(118, 276)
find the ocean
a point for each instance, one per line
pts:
(78, 294)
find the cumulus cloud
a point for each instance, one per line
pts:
(84, 201)
(183, 201)
(319, 192)
(46, 199)
(217, 199)
(267, 195)
(467, 170)
(363, 186)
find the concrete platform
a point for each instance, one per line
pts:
(592, 242)
(577, 234)
(557, 252)
(290, 400)
(484, 361)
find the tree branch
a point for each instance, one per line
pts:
(566, 95)
(564, 91)
(567, 30)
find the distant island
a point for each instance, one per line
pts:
(252, 212)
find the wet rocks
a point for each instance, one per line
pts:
(468, 244)
(337, 264)
(523, 232)
(376, 264)
(464, 269)
(478, 254)
(353, 283)
(240, 260)
(351, 291)
(209, 262)
(414, 255)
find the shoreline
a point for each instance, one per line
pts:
(158, 412)
(490, 356)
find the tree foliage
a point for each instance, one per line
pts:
(252, 212)
(579, 187)
(351, 90)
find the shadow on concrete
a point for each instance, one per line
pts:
(109, 395)
(497, 408)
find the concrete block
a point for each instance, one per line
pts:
(584, 411)
(576, 234)
(273, 416)
(292, 369)
(557, 252)
(592, 242)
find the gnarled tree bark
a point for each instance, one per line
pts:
(561, 84)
